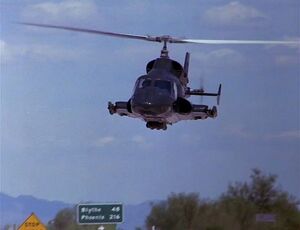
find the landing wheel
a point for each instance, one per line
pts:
(156, 125)
(164, 127)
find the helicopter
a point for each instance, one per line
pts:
(160, 97)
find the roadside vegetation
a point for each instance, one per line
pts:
(259, 204)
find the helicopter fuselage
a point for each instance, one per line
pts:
(159, 97)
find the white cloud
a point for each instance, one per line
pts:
(220, 57)
(108, 140)
(291, 54)
(5, 54)
(294, 46)
(9, 52)
(233, 13)
(51, 52)
(12, 52)
(292, 134)
(104, 141)
(239, 130)
(287, 60)
(138, 139)
(57, 11)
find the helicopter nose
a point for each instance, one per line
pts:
(150, 103)
(150, 109)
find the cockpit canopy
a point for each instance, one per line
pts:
(143, 83)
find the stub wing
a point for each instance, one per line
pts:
(199, 112)
(121, 108)
(203, 112)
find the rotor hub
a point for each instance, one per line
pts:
(165, 39)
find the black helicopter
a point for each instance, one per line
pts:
(160, 96)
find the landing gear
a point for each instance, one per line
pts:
(156, 125)
(213, 112)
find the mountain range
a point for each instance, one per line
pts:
(15, 210)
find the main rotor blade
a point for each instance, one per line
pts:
(236, 42)
(165, 38)
(92, 31)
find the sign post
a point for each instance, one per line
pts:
(107, 227)
(99, 213)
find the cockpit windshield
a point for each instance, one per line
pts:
(163, 84)
(160, 84)
(143, 83)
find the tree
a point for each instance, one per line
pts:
(176, 213)
(66, 220)
(236, 209)
(245, 200)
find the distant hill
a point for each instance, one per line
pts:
(14, 210)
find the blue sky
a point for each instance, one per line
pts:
(59, 142)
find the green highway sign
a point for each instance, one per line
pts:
(99, 213)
